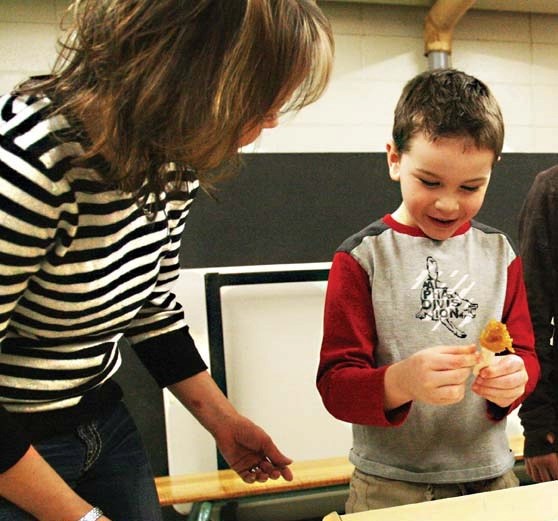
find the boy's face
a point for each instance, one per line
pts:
(443, 183)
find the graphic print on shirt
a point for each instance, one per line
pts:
(444, 305)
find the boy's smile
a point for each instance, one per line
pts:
(443, 183)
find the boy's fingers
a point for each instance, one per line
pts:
(462, 356)
(463, 360)
(504, 366)
(460, 350)
(275, 456)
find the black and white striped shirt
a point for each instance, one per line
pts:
(81, 266)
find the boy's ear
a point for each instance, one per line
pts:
(393, 159)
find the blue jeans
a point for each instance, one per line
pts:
(105, 462)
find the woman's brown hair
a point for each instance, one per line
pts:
(178, 81)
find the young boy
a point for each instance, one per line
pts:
(406, 301)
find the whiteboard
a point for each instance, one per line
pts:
(272, 335)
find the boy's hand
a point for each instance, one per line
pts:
(436, 375)
(502, 382)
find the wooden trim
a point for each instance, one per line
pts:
(225, 484)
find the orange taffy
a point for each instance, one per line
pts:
(496, 338)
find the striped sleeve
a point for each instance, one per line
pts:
(158, 333)
(38, 214)
(81, 265)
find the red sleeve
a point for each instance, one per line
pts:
(351, 388)
(517, 318)
(518, 321)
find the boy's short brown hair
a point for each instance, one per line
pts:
(448, 103)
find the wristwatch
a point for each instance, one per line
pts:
(94, 514)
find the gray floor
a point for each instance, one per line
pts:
(169, 514)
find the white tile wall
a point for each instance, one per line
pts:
(480, 25)
(516, 54)
(29, 30)
(379, 47)
(29, 11)
(544, 28)
(33, 50)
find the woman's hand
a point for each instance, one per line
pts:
(250, 451)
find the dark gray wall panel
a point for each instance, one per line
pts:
(292, 208)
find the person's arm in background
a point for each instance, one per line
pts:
(538, 247)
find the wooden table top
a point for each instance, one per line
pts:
(536, 502)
